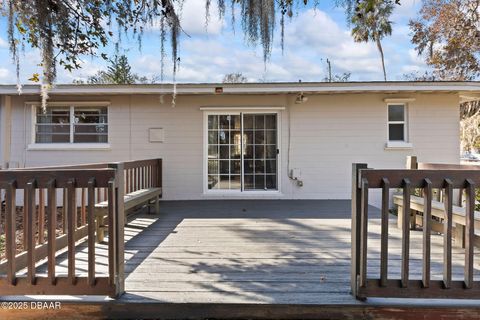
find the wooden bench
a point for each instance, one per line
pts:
(150, 196)
(438, 211)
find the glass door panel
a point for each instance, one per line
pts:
(260, 157)
(242, 152)
(224, 152)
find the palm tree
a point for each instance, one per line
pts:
(371, 23)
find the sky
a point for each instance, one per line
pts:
(208, 53)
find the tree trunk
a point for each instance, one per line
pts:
(380, 49)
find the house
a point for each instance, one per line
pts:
(241, 141)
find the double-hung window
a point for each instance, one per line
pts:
(71, 124)
(397, 123)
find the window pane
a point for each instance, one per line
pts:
(235, 167)
(235, 122)
(395, 132)
(225, 122)
(224, 152)
(259, 122)
(223, 136)
(271, 137)
(235, 182)
(213, 182)
(90, 115)
(248, 153)
(248, 136)
(235, 137)
(259, 151)
(235, 151)
(260, 182)
(213, 152)
(224, 182)
(248, 166)
(212, 137)
(247, 121)
(52, 138)
(248, 182)
(271, 166)
(53, 125)
(91, 125)
(90, 138)
(396, 112)
(270, 121)
(224, 167)
(271, 181)
(259, 166)
(212, 122)
(54, 115)
(213, 167)
(271, 152)
(259, 137)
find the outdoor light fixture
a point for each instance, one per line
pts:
(301, 98)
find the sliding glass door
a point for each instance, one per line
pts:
(242, 151)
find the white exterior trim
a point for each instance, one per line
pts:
(398, 145)
(71, 103)
(241, 193)
(251, 88)
(406, 126)
(68, 146)
(398, 100)
(246, 108)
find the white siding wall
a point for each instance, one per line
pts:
(328, 134)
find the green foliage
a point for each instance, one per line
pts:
(235, 77)
(118, 72)
(447, 34)
(371, 22)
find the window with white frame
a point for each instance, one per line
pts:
(397, 123)
(71, 124)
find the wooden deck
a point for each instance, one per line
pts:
(256, 259)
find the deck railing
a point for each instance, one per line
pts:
(426, 180)
(57, 205)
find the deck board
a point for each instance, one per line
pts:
(254, 252)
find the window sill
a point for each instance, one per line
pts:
(398, 145)
(68, 146)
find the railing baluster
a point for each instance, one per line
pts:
(41, 216)
(30, 203)
(10, 230)
(111, 232)
(469, 232)
(83, 209)
(72, 218)
(127, 177)
(135, 179)
(384, 233)
(64, 211)
(427, 227)
(405, 233)
(364, 233)
(447, 234)
(52, 228)
(91, 232)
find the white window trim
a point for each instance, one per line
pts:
(239, 193)
(33, 146)
(399, 144)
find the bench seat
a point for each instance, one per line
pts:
(131, 201)
(438, 211)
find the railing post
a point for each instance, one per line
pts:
(119, 228)
(412, 162)
(159, 173)
(356, 226)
